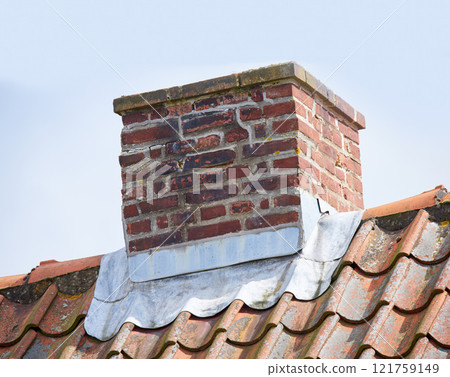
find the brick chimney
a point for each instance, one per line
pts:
(232, 154)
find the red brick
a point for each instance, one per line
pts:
(159, 204)
(278, 109)
(206, 103)
(355, 183)
(234, 98)
(210, 159)
(162, 222)
(264, 204)
(353, 198)
(332, 200)
(213, 230)
(207, 142)
(158, 186)
(349, 132)
(353, 149)
(268, 184)
(286, 163)
(304, 97)
(236, 134)
(130, 211)
(252, 113)
(271, 220)
(328, 150)
(330, 183)
(314, 122)
(177, 110)
(182, 182)
(130, 159)
(351, 164)
(155, 153)
(179, 147)
(329, 165)
(212, 212)
(197, 122)
(286, 200)
(238, 171)
(155, 241)
(139, 227)
(257, 94)
(263, 149)
(135, 117)
(241, 207)
(148, 134)
(210, 195)
(182, 218)
(324, 114)
(340, 174)
(158, 113)
(295, 124)
(277, 91)
(260, 130)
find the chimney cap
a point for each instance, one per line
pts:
(275, 72)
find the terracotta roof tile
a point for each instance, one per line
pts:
(389, 298)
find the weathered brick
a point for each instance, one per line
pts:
(257, 94)
(206, 103)
(286, 163)
(324, 114)
(233, 98)
(210, 141)
(155, 152)
(350, 164)
(162, 222)
(130, 159)
(179, 147)
(182, 182)
(130, 211)
(236, 134)
(159, 204)
(156, 241)
(202, 121)
(286, 200)
(210, 159)
(271, 220)
(295, 124)
(139, 227)
(182, 218)
(238, 171)
(260, 130)
(328, 150)
(304, 97)
(210, 195)
(213, 230)
(278, 109)
(158, 113)
(349, 132)
(330, 183)
(180, 109)
(268, 184)
(264, 204)
(251, 113)
(158, 186)
(135, 117)
(212, 212)
(277, 91)
(148, 134)
(271, 147)
(241, 207)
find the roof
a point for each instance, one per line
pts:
(389, 298)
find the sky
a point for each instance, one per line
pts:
(60, 193)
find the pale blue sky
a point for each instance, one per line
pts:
(60, 192)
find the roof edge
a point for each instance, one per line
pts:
(282, 71)
(426, 199)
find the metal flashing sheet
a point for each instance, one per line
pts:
(156, 303)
